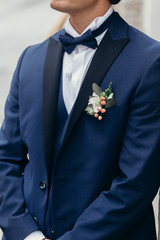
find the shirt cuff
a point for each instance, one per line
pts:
(36, 235)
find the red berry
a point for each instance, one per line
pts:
(100, 118)
(103, 103)
(96, 115)
(103, 110)
(103, 98)
(99, 109)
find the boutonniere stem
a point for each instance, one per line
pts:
(100, 101)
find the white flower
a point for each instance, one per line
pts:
(94, 100)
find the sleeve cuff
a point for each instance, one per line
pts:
(36, 235)
(20, 227)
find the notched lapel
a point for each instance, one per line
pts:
(105, 55)
(52, 72)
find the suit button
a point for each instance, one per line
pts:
(42, 185)
(52, 231)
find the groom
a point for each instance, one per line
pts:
(80, 142)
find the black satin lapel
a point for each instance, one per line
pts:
(51, 78)
(105, 55)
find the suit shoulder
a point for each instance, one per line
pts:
(41, 48)
(37, 48)
(143, 53)
(142, 42)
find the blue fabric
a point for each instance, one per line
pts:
(61, 117)
(107, 173)
(87, 39)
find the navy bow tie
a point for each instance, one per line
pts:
(87, 39)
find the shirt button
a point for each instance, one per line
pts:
(42, 185)
(52, 231)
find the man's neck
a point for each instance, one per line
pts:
(82, 20)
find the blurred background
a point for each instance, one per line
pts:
(27, 22)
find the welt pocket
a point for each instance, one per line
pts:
(113, 111)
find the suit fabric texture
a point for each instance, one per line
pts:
(101, 182)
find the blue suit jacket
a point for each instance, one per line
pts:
(107, 172)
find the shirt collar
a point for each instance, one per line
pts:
(93, 25)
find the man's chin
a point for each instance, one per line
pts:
(60, 6)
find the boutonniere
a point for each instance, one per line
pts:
(100, 101)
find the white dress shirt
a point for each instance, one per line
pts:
(75, 66)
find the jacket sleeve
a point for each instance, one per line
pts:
(113, 213)
(15, 220)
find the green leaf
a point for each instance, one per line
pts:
(96, 89)
(110, 103)
(89, 110)
(108, 92)
(88, 107)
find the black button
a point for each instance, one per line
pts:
(35, 219)
(52, 231)
(42, 185)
